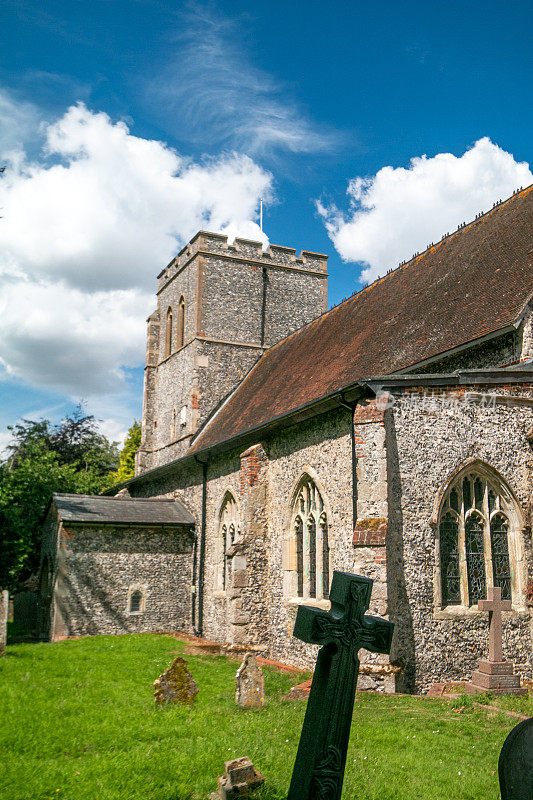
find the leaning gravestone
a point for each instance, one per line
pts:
(176, 684)
(321, 757)
(4, 606)
(515, 767)
(250, 684)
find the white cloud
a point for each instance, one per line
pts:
(213, 90)
(85, 230)
(400, 211)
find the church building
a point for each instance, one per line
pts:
(390, 436)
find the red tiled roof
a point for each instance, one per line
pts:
(470, 284)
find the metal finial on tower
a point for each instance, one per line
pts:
(261, 213)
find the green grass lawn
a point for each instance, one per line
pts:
(78, 722)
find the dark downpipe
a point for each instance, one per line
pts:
(351, 407)
(199, 559)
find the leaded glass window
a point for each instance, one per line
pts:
(449, 559)
(310, 532)
(500, 554)
(474, 531)
(475, 558)
(325, 556)
(299, 531)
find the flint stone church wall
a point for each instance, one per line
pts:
(96, 570)
(428, 438)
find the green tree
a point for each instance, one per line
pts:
(126, 468)
(44, 458)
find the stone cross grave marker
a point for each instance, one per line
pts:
(495, 675)
(250, 684)
(321, 758)
(4, 605)
(515, 765)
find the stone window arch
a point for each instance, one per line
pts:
(307, 559)
(180, 324)
(168, 332)
(479, 542)
(229, 531)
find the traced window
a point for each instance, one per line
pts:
(477, 516)
(168, 332)
(309, 543)
(229, 530)
(181, 323)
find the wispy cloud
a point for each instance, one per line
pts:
(217, 96)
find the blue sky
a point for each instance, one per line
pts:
(370, 129)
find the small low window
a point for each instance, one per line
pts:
(136, 599)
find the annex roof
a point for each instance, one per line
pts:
(473, 283)
(96, 509)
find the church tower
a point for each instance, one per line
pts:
(219, 306)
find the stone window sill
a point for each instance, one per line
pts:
(309, 601)
(135, 613)
(466, 612)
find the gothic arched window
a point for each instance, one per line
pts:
(180, 341)
(308, 543)
(477, 515)
(229, 530)
(168, 332)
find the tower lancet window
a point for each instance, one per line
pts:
(168, 332)
(476, 520)
(180, 341)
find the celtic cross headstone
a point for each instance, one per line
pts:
(321, 758)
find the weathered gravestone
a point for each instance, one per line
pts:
(515, 766)
(239, 779)
(495, 675)
(250, 684)
(321, 758)
(4, 607)
(176, 684)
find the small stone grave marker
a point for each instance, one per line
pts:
(239, 779)
(515, 766)
(4, 607)
(495, 675)
(250, 684)
(176, 684)
(321, 757)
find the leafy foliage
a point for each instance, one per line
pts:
(126, 468)
(44, 458)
